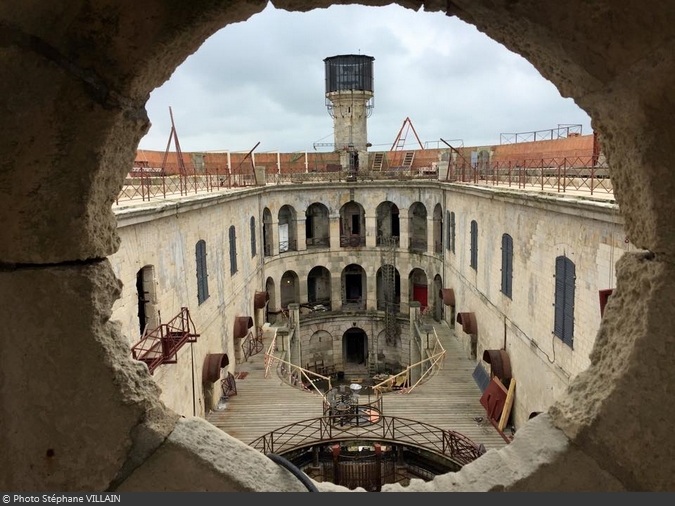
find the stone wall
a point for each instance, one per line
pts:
(542, 227)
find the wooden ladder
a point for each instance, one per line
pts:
(378, 161)
(408, 159)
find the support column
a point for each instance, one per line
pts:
(371, 230)
(301, 233)
(404, 229)
(336, 291)
(405, 291)
(334, 224)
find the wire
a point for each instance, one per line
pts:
(287, 464)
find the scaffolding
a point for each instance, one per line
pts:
(392, 331)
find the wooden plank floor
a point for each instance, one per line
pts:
(449, 400)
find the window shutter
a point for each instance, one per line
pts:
(253, 245)
(233, 250)
(509, 263)
(448, 228)
(474, 245)
(202, 275)
(568, 320)
(559, 296)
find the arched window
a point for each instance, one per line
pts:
(474, 245)
(202, 275)
(507, 265)
(233, 250)
(253, 247)
(564, 299)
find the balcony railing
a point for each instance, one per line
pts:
(358, 304)
(315, 431)
(418, 244)
(352, 241)
(318, 242)
(290, 245)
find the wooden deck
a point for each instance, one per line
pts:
(449, 400)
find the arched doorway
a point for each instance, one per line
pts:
(417, 228)
(353, 287)
(354, 349)
(147, 304)
(352, 225)
(388, 282)
(317, 226)
(288, 238)
(272, 302)
(418, 287)
(388, 225)
(319, 287)
(290, 289)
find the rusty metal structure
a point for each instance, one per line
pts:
(562, 131)
(161, 344)
(392, 330)
(369, 451)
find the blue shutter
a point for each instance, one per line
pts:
(452, 221)
(448, 228)
(253, 246)
(565, 279)
(202, 275)
(568, 309)
(474, 245)
(233, 250)
(559, 296)
(507, 264)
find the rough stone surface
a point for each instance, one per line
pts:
(76, 77)
(540, 459)
(67, 382)
(201, 458)
(629, 381)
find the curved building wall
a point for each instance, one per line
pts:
(543, 228)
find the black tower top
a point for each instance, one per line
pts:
(350, 72)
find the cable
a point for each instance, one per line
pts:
(287, 464)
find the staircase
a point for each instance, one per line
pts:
(408, 158)
(378, 161)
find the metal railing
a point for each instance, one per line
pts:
(417, 244)
(148, 186)
(546, 174)
(318, 242)
(292, 374)
(352, 241)
(430, 365)
(289, 245)
(252, 344)
(449, 444)
(582, 173)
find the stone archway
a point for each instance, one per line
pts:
(354, 348)
(73, 101)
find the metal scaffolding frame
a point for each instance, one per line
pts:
(388, 264)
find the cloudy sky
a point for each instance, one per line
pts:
(263, 81)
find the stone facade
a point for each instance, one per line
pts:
(543, 227)
(73, 99)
